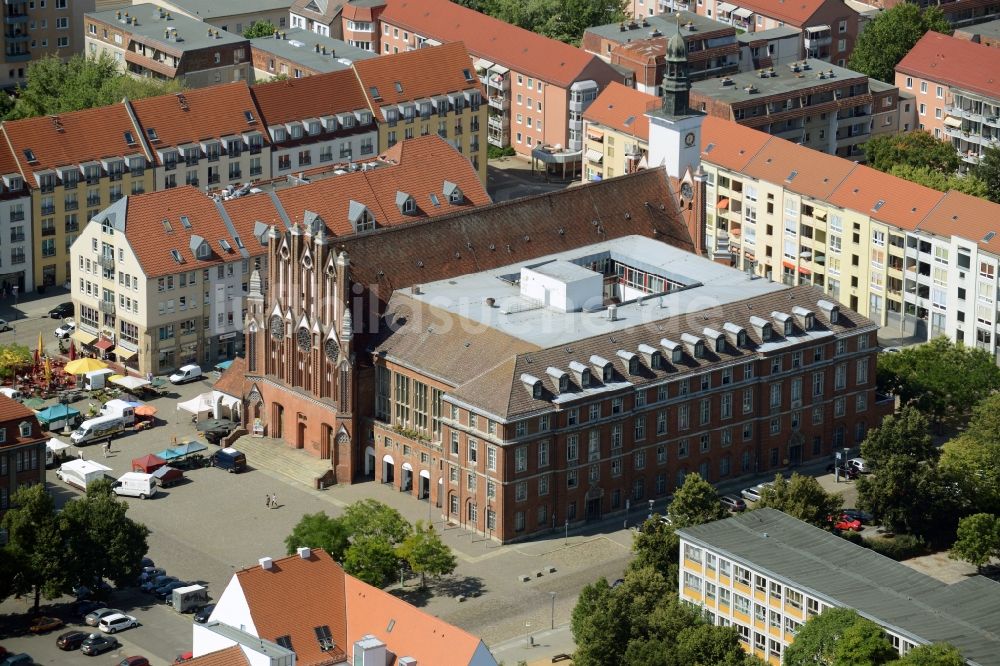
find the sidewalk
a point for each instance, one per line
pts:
(535, 648)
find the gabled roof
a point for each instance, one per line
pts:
(793, 12)
(230, 656)
(800, 169)
(199, 114)
(309, 97)
(68, 139)
(886, 198)
(729, 144)
(486, 37)
(956, 62)
(325, 10)
(972, 218)
(231, 381)
(13, 411)
(624, 109)
(419, 74)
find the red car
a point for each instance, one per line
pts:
(184, 656)
(845, 523)
(134, 661)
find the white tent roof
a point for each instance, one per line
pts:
(196, 405)
(56, 444)
(84, 466)
(131, 383)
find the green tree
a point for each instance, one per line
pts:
(565, 20)
(942, 379)
(891, 35)
(973, 459)
(967, 184)
(988, 171)
(656, 545)
(710, 645)
(695, 502)
(426, 554)
(372, 560)
(80, 83)
(371, 518)
(318, 530)
(801, 497)
(906, 433)
(978, 539)
(35, 545)
(838, 637)
(13, 359)
(259, 29)
(935, 654)
(915, 150)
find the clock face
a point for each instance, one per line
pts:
(686, 190)
(689, 139)
(277, 327)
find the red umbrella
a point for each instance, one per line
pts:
(72, 352)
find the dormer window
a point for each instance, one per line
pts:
(652, 355)
(631, 361)
(559, 378)
(533, 384)
(407, 204)
(784, 321)
(360, 217)
(25, 428)
(204, 251)
(453, 192)
(581, 372)
(763, 328)
(717, 339)
(585, 378)
(674, 349)
(831, 310)
(604, 367)
(805, 317)
(695, 345)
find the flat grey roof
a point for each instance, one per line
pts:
(781, 32)
(990, 29)
(965, 614)
(192, 34)
(664, 23)
(786, 81)
(707, 284)
(299, 46)
(215, 9)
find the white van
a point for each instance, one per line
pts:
(119, 408)
(101, 427)
(81, 473)
(12, 393)
(135, 484)
(187, 373)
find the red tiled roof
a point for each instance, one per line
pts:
(957, 62)
(293, 598)
(968, 217)
(793, 12)
(230, 656)
(8, 164)
(309, 97)
(68, 139)
(231, 381)
(199, 114)
(885, 197)
(617, 104)
(728, 144)
(800, 169)
(422, 73)
(521, 50)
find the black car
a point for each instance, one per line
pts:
(71, 640)
(151, 585)
(203, 613)
(61, 311)
(98, 644)
(857, 514)
(146, 562)
(168, 590)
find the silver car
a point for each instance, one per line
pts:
(94, 618)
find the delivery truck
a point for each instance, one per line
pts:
(120, 408)
(189, 599)
(97, 429)
(135, 484)
(81, 473)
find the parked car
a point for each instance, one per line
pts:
(62, 310)
(183, 656)
(98, 644)
(857, 514)
(149, 573)
(134, 661)
(117, 622)
(733, 503)
(845, 523)
(23, 659)
(203, 613)
(849, 472)
(94, 618)
(187, 373)
(5, 326)
(752, 493)
(859, 464)
(45, 624)
(165, 591)
(159, 581)
(71, 640)
(146, 562)
(65, 330)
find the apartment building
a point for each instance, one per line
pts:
(958, 12)
(600, 377)
(957, 94)
(75, 164)
(207, 138)
(617, 132)
(149, 41)
(297, 52)
(33, 30)
(321, 17)
(777, 47)
(359, 22)
(747, 572)
(233, 16)
(330, 617)
(22, 450)
(316, 121)
(537, 88)
(821, 106)
(640, 46)
(828, 28)
(407, 102)
(16, 260)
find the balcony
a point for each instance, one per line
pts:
(72, 227)
(255, 148)
(13, 18)
(106, 307)
(17, 57)
(495, 122)
(94, 201)
(256, 171)
(48, 210)
(214, 178)
(17, 238)
(17, 216)
(499, 103)
(106, 261)
(71, 205)
(48, 231)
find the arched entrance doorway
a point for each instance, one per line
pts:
(370, 462)
(279, 422)
(406, 484)
(388, 469)
(300, 434)
(325, 441)
(424, 489)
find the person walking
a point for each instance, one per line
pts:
(274, 501)
(267, 501)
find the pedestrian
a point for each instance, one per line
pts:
(274, 501)
(267, 501)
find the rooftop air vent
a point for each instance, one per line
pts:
(266, 563)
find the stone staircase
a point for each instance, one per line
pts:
(276, 456)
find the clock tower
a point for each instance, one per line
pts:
(675, 128)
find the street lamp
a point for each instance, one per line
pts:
(553, 597)
(567, 532)
(527, 634)
(650, 516)
(628, 505)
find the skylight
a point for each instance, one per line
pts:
(878, 204)
(284, 641)
(129, 138)
(629, 121)
(177, 256)
(185, 221)
(399, 87)
(151, 133)
(249, 117)
(467, 74)
(225, 245)
(709, 148)
(791, 176)
(435, 200)
(990, 236)
(374, 92)
(166, 226)
(239, 242)
(324, 637)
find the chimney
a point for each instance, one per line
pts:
(304, 552)
(415, 289)
(266, 563)
(612, 312)
(490, 302)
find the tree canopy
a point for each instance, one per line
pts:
(967, 184)
(565, 20)
(259, 29)
(656, 546)
(978, 539)
(13, 357)
(802, 497)
(318, 530)
(839, 636)
(912, 150)
(988, 172)
(80, 83)
(973, 458)
(935, 654)
(695, 502)
(426, 554)
(889, 37)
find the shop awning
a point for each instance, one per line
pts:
(594, 155)
(813, 29)
(723, 204)
(951, 121)
(83, 337)
(791, 266)
(104, 344)
(595, 134)
(125, 354)
(743, 13)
